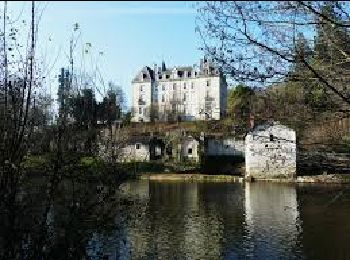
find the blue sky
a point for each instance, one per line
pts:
(130, 35)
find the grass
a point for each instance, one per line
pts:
(36, 162)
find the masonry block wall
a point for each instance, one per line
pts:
(271, 151)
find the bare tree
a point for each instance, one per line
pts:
(255, 42)
(20, 81)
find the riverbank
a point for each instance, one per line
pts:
(191, 177)
(75, 165)
(330, 178)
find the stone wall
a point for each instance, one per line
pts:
(271, 152)
(132, 153)
(190, 149)
(225, 147)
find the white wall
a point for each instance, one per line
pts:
(187, 144)
(130, 153)
(145, 93)
(265, 158)
(195, 96)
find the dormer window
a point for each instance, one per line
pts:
(144, 76)
(167, 76)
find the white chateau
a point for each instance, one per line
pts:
(179, 93)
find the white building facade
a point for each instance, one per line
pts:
(270, 151)
(179, 93)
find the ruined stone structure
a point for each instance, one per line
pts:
(225, 146)
(270, 151)
(179, 93)
(189, 148)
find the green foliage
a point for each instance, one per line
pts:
(35, 162)
(239, 105)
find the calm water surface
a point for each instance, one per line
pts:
(180, 220)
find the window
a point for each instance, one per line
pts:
(184, 85)
(174, 86)
(189, 74)
(137, 146)
(167, 76)
(192, 85)
(163, 99)
(140, 110)
(184, 97)
(271, 138)
(189, 151)
(208, 83)
(266, 145)
(160, 76)
(163, 87)
(141, 88)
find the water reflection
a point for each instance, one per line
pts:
(216, 221)
(325, 213)
(272, 221)
(176, 220)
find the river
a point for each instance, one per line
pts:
(145, 219)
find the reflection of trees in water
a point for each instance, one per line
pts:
(326, 226)
(91, 218)
(187, 221)
(57, 222)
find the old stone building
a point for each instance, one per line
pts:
(189, 149)
(224, 146)
(270, 151)
(141, 149)
(179, 93)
